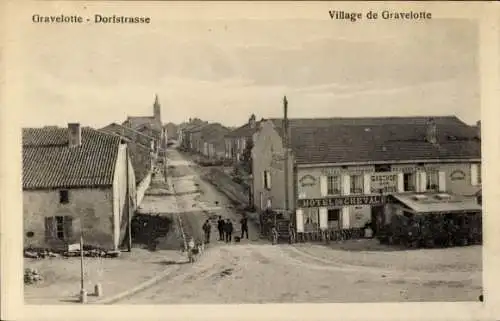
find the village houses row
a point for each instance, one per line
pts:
(82, 181)
(342, 170)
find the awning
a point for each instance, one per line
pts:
(438, 203)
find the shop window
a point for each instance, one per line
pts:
(334, 218)
(59, 227)
(356, 184)
(333, 185)
(64, 197)
(432, 181)
(409, 182)
(311, 220)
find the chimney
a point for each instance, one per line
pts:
(75, 134)
(252, 121)
(431, 131)
(478, 128)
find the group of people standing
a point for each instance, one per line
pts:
(226, 229)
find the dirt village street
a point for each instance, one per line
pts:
(255, 271)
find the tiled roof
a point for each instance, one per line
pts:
(214, 133)
(137, 123)
(140, 156)
(197, 128)
(129, 133)
(244, 131)
(48, 161)
(344, 140)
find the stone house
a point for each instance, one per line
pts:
(184, 131)
(236, 140)
(341, 169)
(76, 181)
(209, 140)
(195, 138)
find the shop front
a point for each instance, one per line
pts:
(339, 215)
(433, 219)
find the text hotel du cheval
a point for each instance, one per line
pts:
(339, 15)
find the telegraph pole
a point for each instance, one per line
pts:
(285, 146)
(129, 210)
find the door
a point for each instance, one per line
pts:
(377, 218)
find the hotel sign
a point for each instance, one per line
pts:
(307, 180)
(457, 175)
(339, 201)
(385, 182)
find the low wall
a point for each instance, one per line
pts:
(226, 185)
(141, 188)
(234, 191)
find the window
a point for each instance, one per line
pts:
(59, 228)
(333, 214)
(333, 185)
(409, 182)
(334, 219)
(267, 179)
(382, 168)
(356, 184)
(432, 181)
(64, 197)
(479, 174)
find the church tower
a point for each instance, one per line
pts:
(156, 109)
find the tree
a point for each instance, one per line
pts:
(247, 156)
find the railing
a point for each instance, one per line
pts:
(331, 235)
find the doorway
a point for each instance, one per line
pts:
(377, 218)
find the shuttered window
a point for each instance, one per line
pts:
(59, 228)
(333, 185)
(432, 181)
(356, 184)
(409, 180)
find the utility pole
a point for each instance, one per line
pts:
(83, 293)
(285, 146)
(129, 215)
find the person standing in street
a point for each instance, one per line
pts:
(207, 229)
(220, 227)
(228, 229)
(244, 226)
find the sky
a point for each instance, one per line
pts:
(223, 67)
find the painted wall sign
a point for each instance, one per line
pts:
(331, 171)
(342, 201)
(457, 175)
(308, 180)
(387, 182)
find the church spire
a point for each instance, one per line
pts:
(156, 100)
(156, 108)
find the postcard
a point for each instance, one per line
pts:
(241, 160)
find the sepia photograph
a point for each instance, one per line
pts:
(174, 154)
